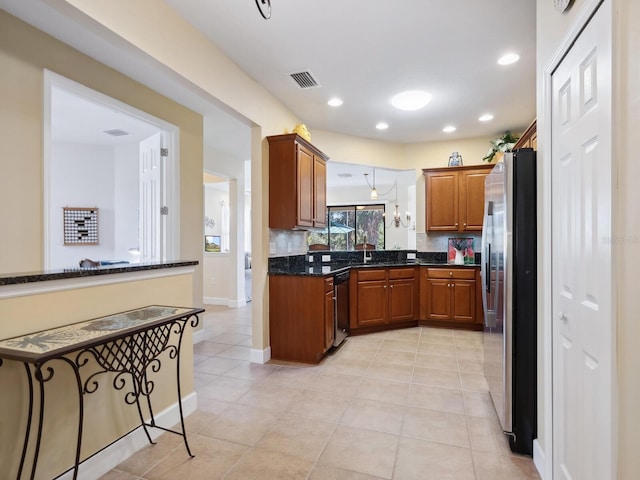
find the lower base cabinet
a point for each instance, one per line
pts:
(301, 317)
(383, 296)
(451, 296)
(302, 308)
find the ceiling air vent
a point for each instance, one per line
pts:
(305, 80)
(116, 132)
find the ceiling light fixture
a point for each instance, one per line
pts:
(411, 100)
(264, 7)
(449, 129)
(335, 102)
(486, 117)
(382, 126)
(508, 59)
(374, 192)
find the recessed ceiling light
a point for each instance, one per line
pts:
(449, 129)
(335, 102)
(486, 117)
(382, 126)
(508, 59)
(411, 100)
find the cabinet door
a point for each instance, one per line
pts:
(438, 299)
(372, 302)
(401, 300)
(305, 186)
(472, 199)
(442, 201)
(329, 326)
(320, 189)
(463, 301)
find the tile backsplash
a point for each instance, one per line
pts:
(287, 242)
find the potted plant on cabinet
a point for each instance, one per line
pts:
(499, 146)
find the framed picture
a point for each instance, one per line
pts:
(460, 251)
(212, 243)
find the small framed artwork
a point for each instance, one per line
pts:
(460, 251)
(212, 243)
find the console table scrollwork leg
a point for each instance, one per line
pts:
(23, 456)
(80, 414)
(194, 323)
(142, 422)
(41, 381)
(42, 378)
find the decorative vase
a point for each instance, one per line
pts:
(459, 259)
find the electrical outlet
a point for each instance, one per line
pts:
(272, 248)
(311, 258)
(326, 258)
(326, 269)
(411, 256)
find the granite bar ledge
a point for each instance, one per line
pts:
(67, 273)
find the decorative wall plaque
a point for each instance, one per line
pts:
(80, 226)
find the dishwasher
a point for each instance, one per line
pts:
(341, 306)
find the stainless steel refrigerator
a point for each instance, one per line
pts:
(509, 265)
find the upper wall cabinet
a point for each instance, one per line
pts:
(529, 138)
(455, 198)
(297, 183)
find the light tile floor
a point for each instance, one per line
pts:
(406, 404)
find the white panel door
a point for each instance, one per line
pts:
(150, 226)
(581, 256)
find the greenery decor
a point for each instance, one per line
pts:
(502, 144)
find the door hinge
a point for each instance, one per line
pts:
(164, 210)
(164, 152)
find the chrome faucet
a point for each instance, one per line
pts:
(364, 249)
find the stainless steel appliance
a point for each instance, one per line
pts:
(341, 303)
(509, 265)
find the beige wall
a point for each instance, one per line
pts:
(24, 54)
(552, 28)
(107, 417)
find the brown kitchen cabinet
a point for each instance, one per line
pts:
(449, 295)
(297, 183)
(301, 317)
(529, 138)
(454, 198)
(383, 296)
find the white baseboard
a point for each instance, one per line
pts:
(198, 336)
(106, 460)
(224, 301)
(237, 303)
(260, 356)
(540, 461)
(215, 301)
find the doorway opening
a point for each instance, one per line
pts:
(102, 154)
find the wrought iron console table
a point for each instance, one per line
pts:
(127, 344)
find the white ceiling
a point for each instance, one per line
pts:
(362, 50)
(75, 119)
(365, 51)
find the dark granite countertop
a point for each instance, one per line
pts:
(300, 265)
(43, 276)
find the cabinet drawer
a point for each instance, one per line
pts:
(458, 273)
(368, 274)
(396, 273)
